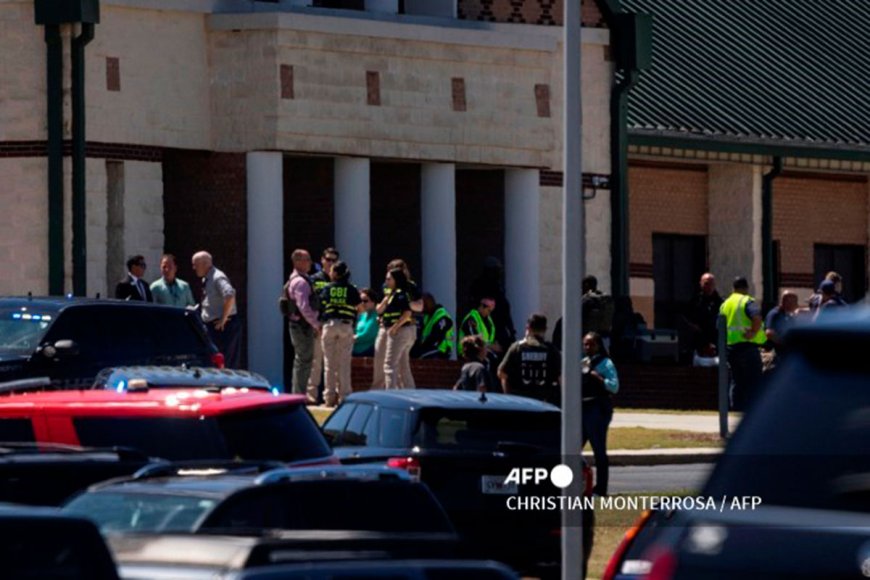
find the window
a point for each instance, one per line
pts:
(141, 512)
(678, 263)
(394, 427)
(21, 335)
(354, 434)
(16, 430)
(487, 430)
(337, 422)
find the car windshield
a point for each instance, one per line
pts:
(807, 441)
(487, 430)
(281, 433)
(141, 512)
(21, 331)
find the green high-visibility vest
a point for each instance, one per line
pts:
(429, 322)
(734, 311)
(485, 328)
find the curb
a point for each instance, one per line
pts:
(626, 457)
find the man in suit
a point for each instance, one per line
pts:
(133, 287)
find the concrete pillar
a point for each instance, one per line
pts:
(438, 217)
(522, 203)
(352, 216)
(735, 225)
(265, 263)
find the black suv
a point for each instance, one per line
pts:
(69, 340)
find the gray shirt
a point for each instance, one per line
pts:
(217, 289)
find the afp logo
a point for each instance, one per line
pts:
(561, 476)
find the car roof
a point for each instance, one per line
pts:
(156, 403)
(58, 303)
(119, 377)
(446, 399)
(220, 485)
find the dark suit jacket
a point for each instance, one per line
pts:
(126, 290)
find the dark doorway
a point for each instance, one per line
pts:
(395, 219)
(847, 260)
(678, 263)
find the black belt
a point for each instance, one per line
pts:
(342, 320)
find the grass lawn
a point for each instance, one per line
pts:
(643, 438)
(320, 414)
(670, 412)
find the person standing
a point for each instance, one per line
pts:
(776, 324)
(490, 284)
(816, 299)
(416, 302)
(304, 324)
(600, 383)
(339, 302)
(398, 325)
(702, 316)
(831, 299)
(474, 376)
(436, 338)
(170, 289)
(597, 308)
(218, 309)
(320, 280)
(366, 324)
(133, 287)
(532, 367)
(745, 335)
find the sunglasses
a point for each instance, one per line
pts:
(330, 259)
(364, 300)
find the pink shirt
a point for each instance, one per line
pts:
(300, 292)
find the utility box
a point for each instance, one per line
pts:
(51, 12)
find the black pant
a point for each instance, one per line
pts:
(745, 361)
(597, 415)
(228, 341)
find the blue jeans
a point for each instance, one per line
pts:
(228, 340)
(597, 415)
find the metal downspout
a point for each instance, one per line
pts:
(79, 200)
(54, 100)
(619, 234)
(768, 265)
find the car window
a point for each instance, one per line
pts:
(177, 333)
(806, 442)
(354, 434)
(118, 511)
(167, 437)
(20, 430)
(21, 332)
(353, 505)
(371, 431)
(486, 430)
(283, 433)
(394, 427)
(82, 327)
(336, 423)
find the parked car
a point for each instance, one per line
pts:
(170, 423)
(803, 451)
(48, 474)
(65, 342)
(293, 515)
(133, 378)
(464, 446)
(43, 544)
(394, 570)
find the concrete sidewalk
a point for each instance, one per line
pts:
(668, 456)
(697, 422)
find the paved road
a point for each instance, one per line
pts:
(658, 477)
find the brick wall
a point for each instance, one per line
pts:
(395, 218)
(204, 201)
(479, 226)
(667, 387)
(544, 12)
(428, 374)
(664, 200)
(824, 210)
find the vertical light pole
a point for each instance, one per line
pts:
(573, 255)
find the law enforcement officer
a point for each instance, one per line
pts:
(436, 338)
(745, 335)
(532, 366)
(339, 303)
(319, 281)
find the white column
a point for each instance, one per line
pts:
(522, 202)
(438, 217)
(265, 264)
(352, 216)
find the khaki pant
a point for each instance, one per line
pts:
(378, 380)
(337, 352)
(316, 374)
(397, 364)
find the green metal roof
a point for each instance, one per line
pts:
(755, 74)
